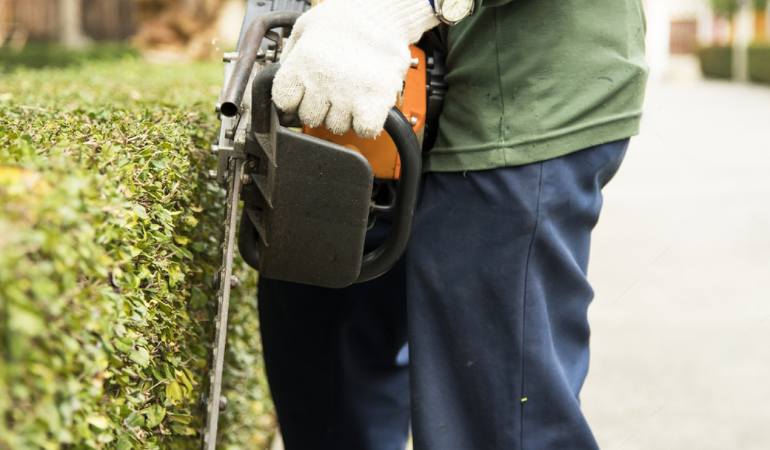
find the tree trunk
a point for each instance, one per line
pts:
(733, 27)
(70, 25)
(6, 17)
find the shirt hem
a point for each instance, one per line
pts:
(532, 151)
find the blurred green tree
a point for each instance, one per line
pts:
(725, 8)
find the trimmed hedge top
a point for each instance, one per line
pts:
(716, 62)
(109, 239)
(759, 63)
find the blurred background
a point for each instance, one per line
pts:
(178, 28)
(681, 255)
(726, 35)
(681, 260)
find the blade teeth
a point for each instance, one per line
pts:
(212, 407)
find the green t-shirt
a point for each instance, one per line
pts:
(531, 80)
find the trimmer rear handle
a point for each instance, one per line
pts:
(382, 258)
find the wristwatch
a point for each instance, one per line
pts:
(452, 11)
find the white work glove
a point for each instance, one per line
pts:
(345, 62)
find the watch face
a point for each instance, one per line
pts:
(456, 10)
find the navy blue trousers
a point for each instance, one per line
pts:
(494, 286)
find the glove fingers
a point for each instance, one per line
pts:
(339, 118)
(369, 116)
(288, 89)
(313, 109)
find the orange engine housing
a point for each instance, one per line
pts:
(381, 151)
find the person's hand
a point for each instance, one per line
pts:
(345, 62)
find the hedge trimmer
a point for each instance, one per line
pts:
(309, 196)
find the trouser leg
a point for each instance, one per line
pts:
(336, 363)
(497, 301)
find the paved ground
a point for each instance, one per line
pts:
(681, 269)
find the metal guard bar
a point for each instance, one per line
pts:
(230, 106)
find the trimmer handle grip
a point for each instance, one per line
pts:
(382, 258)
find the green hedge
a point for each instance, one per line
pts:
(759, 63)
(109, 237)
(41, 54)
(716, 62)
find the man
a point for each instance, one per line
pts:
(543, 97)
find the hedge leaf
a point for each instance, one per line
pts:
(110, 236)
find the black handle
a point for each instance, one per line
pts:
(381, 259)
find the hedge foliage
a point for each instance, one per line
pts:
(38, 54)
(109, 238)
(759, 63)
(716, 62)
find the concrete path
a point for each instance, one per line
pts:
(681, 270)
